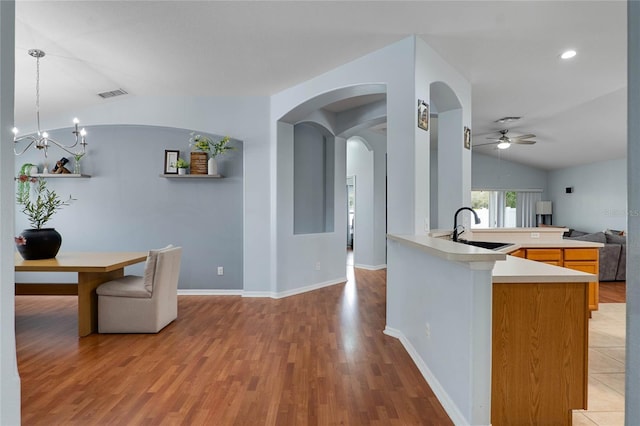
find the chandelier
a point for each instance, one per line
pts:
(41, 140)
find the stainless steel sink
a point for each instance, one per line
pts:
(491, 245)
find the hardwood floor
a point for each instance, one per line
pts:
(318, 358)
(612, 292)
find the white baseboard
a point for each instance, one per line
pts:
(272, 295)
(257, 294)
(370, 267)
(208, 292)
(308, 288)
(449, 406)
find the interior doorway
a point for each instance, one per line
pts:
(351, 210)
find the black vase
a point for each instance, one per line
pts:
(41, 244)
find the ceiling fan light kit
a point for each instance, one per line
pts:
(568, 54)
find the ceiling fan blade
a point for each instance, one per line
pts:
(523, 142)
(493, 139)
(529, 136)
(486, 143)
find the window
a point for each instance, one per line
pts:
(497, 209)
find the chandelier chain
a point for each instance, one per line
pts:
(38, 93)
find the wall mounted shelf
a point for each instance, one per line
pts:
(60, 175)
(192, 176)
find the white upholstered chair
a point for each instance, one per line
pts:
(134, 304)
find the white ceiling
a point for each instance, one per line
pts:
(509, 50)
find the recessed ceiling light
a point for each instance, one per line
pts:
(568, 54)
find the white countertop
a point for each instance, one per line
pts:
(448, 250)
(518, 270)
(507, 268)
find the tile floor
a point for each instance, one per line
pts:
(606, 368)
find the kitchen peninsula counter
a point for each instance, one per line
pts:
(536, 325)
(507, 268)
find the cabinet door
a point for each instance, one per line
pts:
(545, 255)
(581, 254)
(592, 268)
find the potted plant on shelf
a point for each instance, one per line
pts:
(76, 166)
(206, 144)
(39, 203)
(181, 164)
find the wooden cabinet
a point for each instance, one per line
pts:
(539, 353)
(552, 256)
(585, 260)
(579, 259)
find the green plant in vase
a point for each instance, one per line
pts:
(206, 144)
(39, 204)
(76, 166)
(181, 164)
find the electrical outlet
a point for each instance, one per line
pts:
(317, 266)
(427, 329)
(220, 270)
(535, 235)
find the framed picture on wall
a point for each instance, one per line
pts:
(423, 115)
(467, 137)
(170, 158)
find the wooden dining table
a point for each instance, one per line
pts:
(93, 268)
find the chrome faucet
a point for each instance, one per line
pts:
(454, 235)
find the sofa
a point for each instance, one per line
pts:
(613, 255)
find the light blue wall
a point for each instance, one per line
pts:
(225, 115)
(313, 153)
(599, 198)
(127, 206)
(495, 173)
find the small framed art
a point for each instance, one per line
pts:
(467, 137)
(423, 115)
(170, 158)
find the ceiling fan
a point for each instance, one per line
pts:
(504, 141)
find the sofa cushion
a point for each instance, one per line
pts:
(613, 232)
(596, 237)
(608, 262)
(615, 239)
(573, 233)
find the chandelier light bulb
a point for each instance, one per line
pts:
(15, 131)
(75, 120)
(83, 132)
(45, 135)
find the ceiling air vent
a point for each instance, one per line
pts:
(112, 93)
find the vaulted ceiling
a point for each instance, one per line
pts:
(509, 51)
